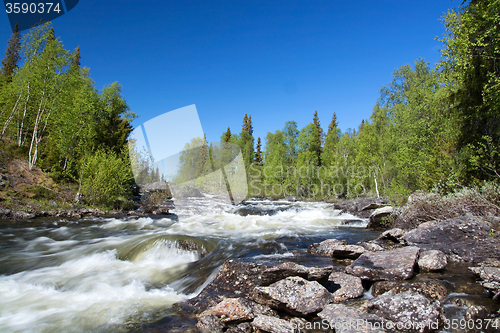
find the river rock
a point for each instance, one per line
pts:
(377, 215)
(325, 248)
(490, 277)
(409, 311)
(241, 328)
(237, 310)
(433, 289)
(357, 206)
(465, 238)
(210, 324)
(385, 265)
(347, 251)
(291, 198)
(432, 260)
(476, 312)
(235, 279)
(184, 191)
(395, 235)
(273, 325)
(21, 215)
(371, 246)
(280, 272)
(344, 286)
(320, 274)
(294, 295)
(346, 319)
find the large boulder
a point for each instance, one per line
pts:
(346, 319)
(376, 218)
(237, 310)
(432, 289)
(325, 248)
(385, 265)
(235, 279)
(432, 260)
(294, 295)
(361, 207)
(490, 277)
(409, 311)
(465, 238)
(344, 286)
(282, 271)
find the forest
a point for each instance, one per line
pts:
(432, 128)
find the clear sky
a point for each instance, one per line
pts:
(275, 60)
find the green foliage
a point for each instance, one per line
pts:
(107, 179)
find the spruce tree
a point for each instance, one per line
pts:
(258, 153)
(9, 63)
(226, 136)
(319, 136)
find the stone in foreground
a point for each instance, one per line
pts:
(410, 310)
(344, 286)
(432, 260)
(385, 265)
(377, 216)
(294, 295)
(325, 248)
(273, 325)
(346, 319)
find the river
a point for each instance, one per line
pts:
(112, 275)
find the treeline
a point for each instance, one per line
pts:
(433, 128)
(52, 115)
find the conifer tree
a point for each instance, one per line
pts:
(319, 136)
(76, 60)
(258, 153)
(226, 136)
(9, 63)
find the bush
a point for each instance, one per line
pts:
(422, 207)
(107, 179)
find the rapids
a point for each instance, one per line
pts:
(110, 275)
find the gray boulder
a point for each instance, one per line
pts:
(346, 319)
(273, 325)
(409, 311)
(432, 289)
(325, 248)
(294, 295)
(344, 286)
(385, 265)
(377, 216)
(210, 324)
(237, 310)
(395, 235)
(432, 260)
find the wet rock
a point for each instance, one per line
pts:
(235, 279)
(344, 286)
(237, 310)
(325, 248)
(409, 310)
(385, 265)
(347, 251)
(371, 246)
(294, 295)
(249, 210)
(490, 277)
(465, 238)
(475, 312)
(210, 324)
(346, 319)
(376, 218)
(273, 325)
(432, 260)
(189, 245)
(283, 271)
(292, 198)
(319, 274)
(356, 206)
(241, 328)
(21, 215)
(395, 235)
(373, 205)
(5, 213)
(433, 289)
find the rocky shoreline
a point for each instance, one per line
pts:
(400, 271)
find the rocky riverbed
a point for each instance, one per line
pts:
(404, 281)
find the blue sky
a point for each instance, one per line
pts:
(275, 60)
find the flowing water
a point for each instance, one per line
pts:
(109, 274)
(124, 275)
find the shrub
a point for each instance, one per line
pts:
(422, 207)
(107, 179)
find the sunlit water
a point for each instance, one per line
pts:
(115, 275)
